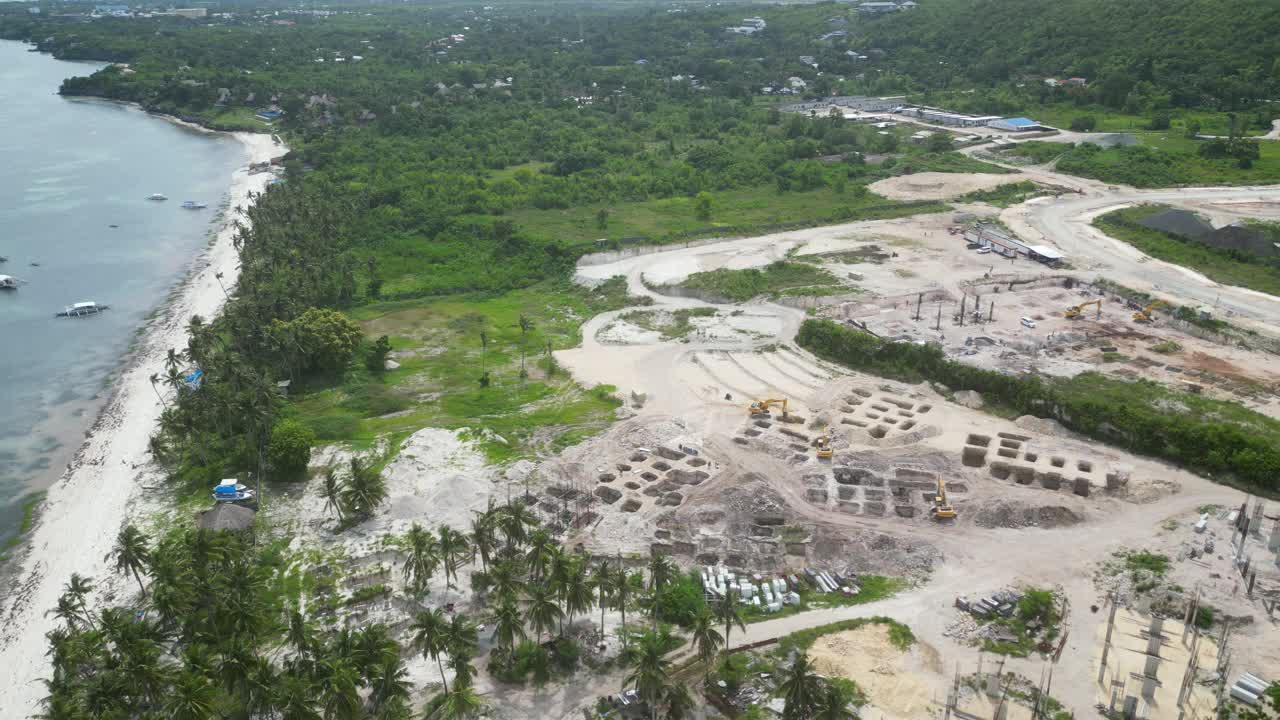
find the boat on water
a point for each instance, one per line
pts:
(157, 196)
(194, 205)
(82, 309)
(230, 490)
(9, 282)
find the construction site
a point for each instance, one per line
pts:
(740, 452)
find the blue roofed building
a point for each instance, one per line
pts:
(1019, 124)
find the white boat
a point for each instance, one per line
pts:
(157, 196)
(82, 309)
(194, 205)
(230, 490)
(9, 282)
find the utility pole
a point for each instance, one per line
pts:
(919, 300)
(963, 299)
(938, 327)
(992, 314)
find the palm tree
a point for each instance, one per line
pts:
(461, 637)
(293, 698)
(331, 491)
(453, 548)
(729, 611)
(483, 542)
(364, 490)
(460, 704)
(155, 378)
(576, 592)
(390, 688)
(429, 637)
(464, 672)
(422, 553)
(539, 554)
(622, 590)
(651, 673)
(678, 701)
(514, 519)
(543, 612)
(661, 571)
(508, 625)
(192, 697)
(833, 704)
(602, 581)
(801, 689)
(340, 690)
(131, 553)
(705, 636)
(77, 591)
(505, 581)
(525, 326)
(484, 347)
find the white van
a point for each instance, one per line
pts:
(1028, 322)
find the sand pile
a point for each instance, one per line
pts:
(884, 672)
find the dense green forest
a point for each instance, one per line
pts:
(1211, 436)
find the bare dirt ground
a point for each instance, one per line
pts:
(937, 185)
(894, 680)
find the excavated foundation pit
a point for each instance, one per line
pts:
(1006, 452)
(907, 425)
(631, 505)
(1013, 444)
(607, 477)
(660, 465)
(979, 440)
(1051, 480)
(1081, 487)
(1013, 436)
(1057, 461)
(632, 484)
(973, 456)
(751, 432)
(878, 431)
(1084, 466)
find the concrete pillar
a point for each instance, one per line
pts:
(1273, 544)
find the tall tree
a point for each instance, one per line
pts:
(430, 637)
(542, 610)
(131, 553)
(833, 704)
(602, 581)
(453, 550)
(801, 689)
(422, 554)
(705, 637)
(651, 672)
(526, 324)
(728, 609)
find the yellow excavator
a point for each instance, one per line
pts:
(1144, 315)
(942, 509)
(823, 444)
(1075, 311)
(761, 407)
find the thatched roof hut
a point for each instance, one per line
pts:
(226, 516)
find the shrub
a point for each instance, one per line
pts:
(1084, 123)
(680, 601)
(290, 447)
(376, 356)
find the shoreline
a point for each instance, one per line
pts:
(83, 510)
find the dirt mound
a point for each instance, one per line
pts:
(1018, 515)
(885, 673)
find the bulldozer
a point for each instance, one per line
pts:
(1144, 315)
(761, 407)
(942, 509)
(1076, 311)
(823, 443)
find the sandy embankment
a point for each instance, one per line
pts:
(85, 508)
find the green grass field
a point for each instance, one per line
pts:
(1218, 265)
(437, 343)
(731, 211)
(1169, 160)
(1060, 115)
(775, 279)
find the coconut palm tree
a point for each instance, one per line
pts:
(453, 550)
(364, 490)
(461, 637)
(508, 625)
(728, 610)
(622, 590)
(537, 557)
(833, 704)
(77, 590)
(514, 521)
(192, 697)
(504, 580)
(678, 702)
(801, 688)
(430, 633)
(464, 672)
(155, 378)
(651, 672)
(483, 542)
(340, 689)
(131, 554)
(460, 704)
(576, 592)
(705, 636)
(293, 698)
(542, 610)
(661, 572)
(422, 554)
(331, 491)
(602, 581)
(389, 689)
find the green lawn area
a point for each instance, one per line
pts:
(1219, 265)
(437, 343)
(732, 212)
(672, 325)
(918, 160)
(235, 118)
(777, 278)
(1167, 160)
(1006, 195)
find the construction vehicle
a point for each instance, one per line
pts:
(1075, 311)
(823, 443)
(942, 509)
(1144, 315)
(761, 407)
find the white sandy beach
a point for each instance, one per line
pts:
(86, 507)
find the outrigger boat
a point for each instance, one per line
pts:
(230, 490)
(157, 196)
(9, 282)
(194, 205)
(82, 309)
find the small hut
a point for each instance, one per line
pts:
(227, 516)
